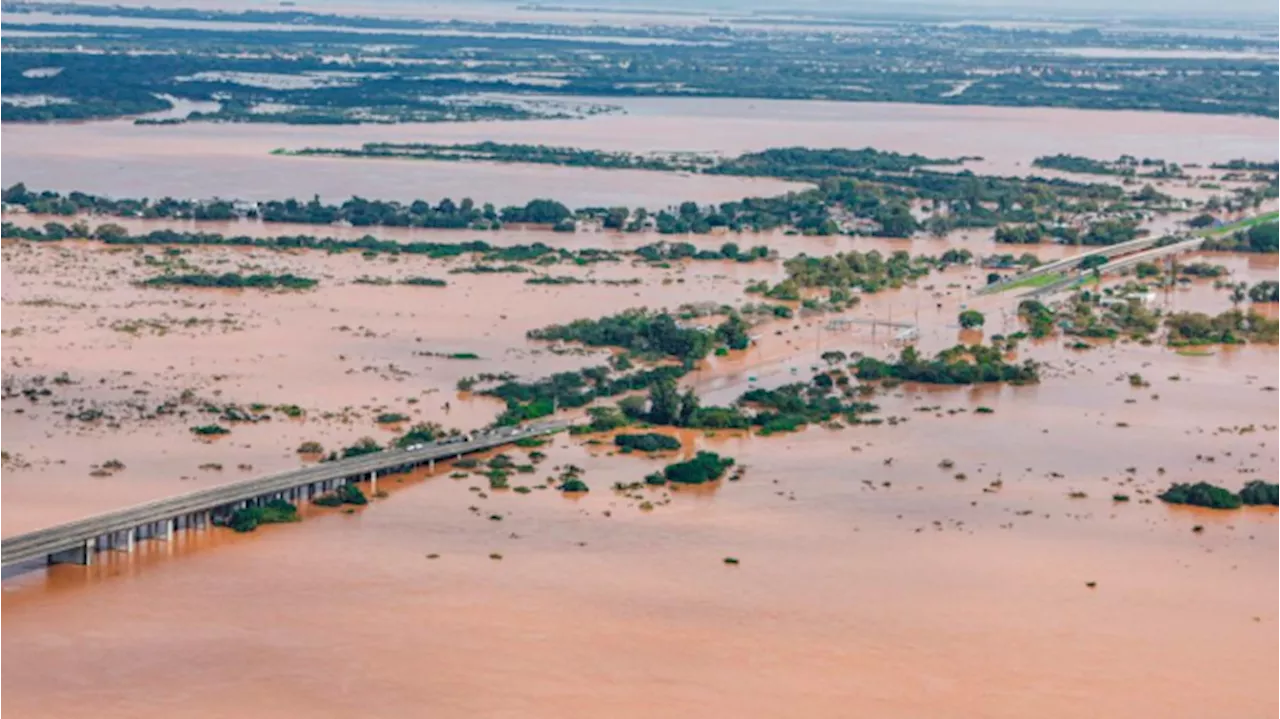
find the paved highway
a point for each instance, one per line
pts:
(82, 535)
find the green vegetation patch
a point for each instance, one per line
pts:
(647, 442)
(704, 467)
(1201, 494)
(275, 511)
(232, 280)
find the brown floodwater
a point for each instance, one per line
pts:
(233, 160)
(871, 580)
(979, 242)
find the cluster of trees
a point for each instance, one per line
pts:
(537, 252)
(247, 519)
(1198, 328)
(784, 409)
(866, 271)
(804, 163)
(883, 198)
(345, 494)
(233, 280)
(646, 442)
(1085, 316)
(1262, 238)
(514, 153)
(1077, 163)
(791, 407)
(1008, 261)
(1265, 291)
(958, 199)
(419, 213)
(1202, 269)
(1249, 165)
(1127, 165)
(1230, 327)
(959, 365)
(971, 319)
(646, 332)
(704, 467)
(1111, 231)
(1021, 234)
(52, 203)
(564, 390)
(666, 405)
(1202, 494)
(1037, 232)
(794, 163)
(668, 251)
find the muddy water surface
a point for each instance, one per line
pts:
(229, 160)
(872, 580)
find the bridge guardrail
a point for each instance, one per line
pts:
(69, 535)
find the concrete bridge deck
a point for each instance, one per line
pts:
(1117, 265)
(1069, 263)
(78, 541)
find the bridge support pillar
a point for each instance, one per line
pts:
(77, 555)
(166, 530)
(373, 482)
(431, 465)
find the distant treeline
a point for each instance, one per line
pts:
(797, 163)
(232, 280)
(537, 252)
(1127, 166)
(859, 201)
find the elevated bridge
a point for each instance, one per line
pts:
(78, 541)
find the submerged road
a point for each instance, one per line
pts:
(78, 541)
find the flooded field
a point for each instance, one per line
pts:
(228, 160)
(836, 526)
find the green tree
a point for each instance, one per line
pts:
(733, 332)
(1092, 262)
(970, 319)
(664, 402)
(688, 408)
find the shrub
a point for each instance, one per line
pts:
(1201, 494)
(275, 511)
(1259, 492)
(574, 484)
(210, 430)
(311, 447)
(648, 442)
(346, 494)
(328, 500)
(366, 445)
(970, 319)
(704, 467)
